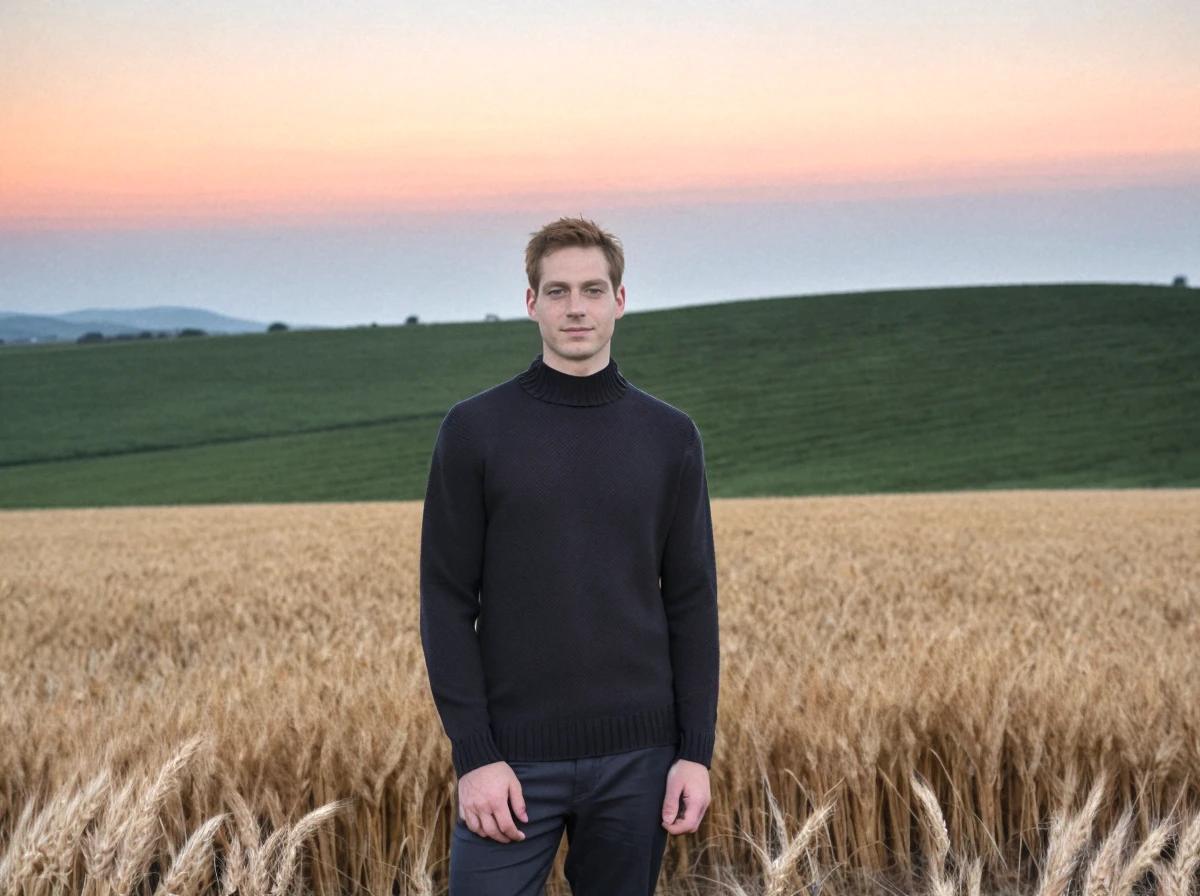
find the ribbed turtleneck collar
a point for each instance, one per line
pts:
(542, 381)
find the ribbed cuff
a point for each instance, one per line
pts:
(697, 746)
(472, 751)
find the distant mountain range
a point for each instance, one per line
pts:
(70, 325)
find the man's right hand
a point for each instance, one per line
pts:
(483, 800)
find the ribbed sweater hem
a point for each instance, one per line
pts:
(550, 739)
(574, 738)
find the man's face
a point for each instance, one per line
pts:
(575, 306)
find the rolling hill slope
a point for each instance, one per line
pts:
(1075, 385)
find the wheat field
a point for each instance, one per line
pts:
(977, 692)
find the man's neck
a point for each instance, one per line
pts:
(580, 367)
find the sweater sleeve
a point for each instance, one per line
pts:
(689, 590)
(452, 538)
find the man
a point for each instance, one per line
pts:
(569, 601)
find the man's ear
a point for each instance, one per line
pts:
(620, 296)
(530, 301)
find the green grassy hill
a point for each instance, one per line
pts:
(1078, 385)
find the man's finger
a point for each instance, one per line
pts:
(508, 827)
(670, 807)
(491, 829)
(517, 799)
(685, 816)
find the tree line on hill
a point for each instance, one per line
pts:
(96, 336)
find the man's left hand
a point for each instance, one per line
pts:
(687, 781)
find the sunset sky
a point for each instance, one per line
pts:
(341, 163)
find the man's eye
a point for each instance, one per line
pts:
(595, 289)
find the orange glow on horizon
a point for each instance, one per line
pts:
(277, 199)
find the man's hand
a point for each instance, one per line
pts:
(483, 799)
(688, 781)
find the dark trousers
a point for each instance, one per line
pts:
(611, 809)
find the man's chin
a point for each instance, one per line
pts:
(576, 351)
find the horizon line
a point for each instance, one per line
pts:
(1009, 177)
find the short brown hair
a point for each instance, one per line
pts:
(573, 232)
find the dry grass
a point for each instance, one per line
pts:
(957, 693)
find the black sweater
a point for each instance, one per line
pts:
(567, 573)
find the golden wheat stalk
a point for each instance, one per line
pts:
(778, 870)
(102, 844)
(83, 810)
(264, 864)
(971, 877)
(142, 829)
(191, 866)
(297, 835)
(1178, 878)
(1105, 867)
(937, 837)
(1069, 836)
(1143, 858)
(42, 850)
